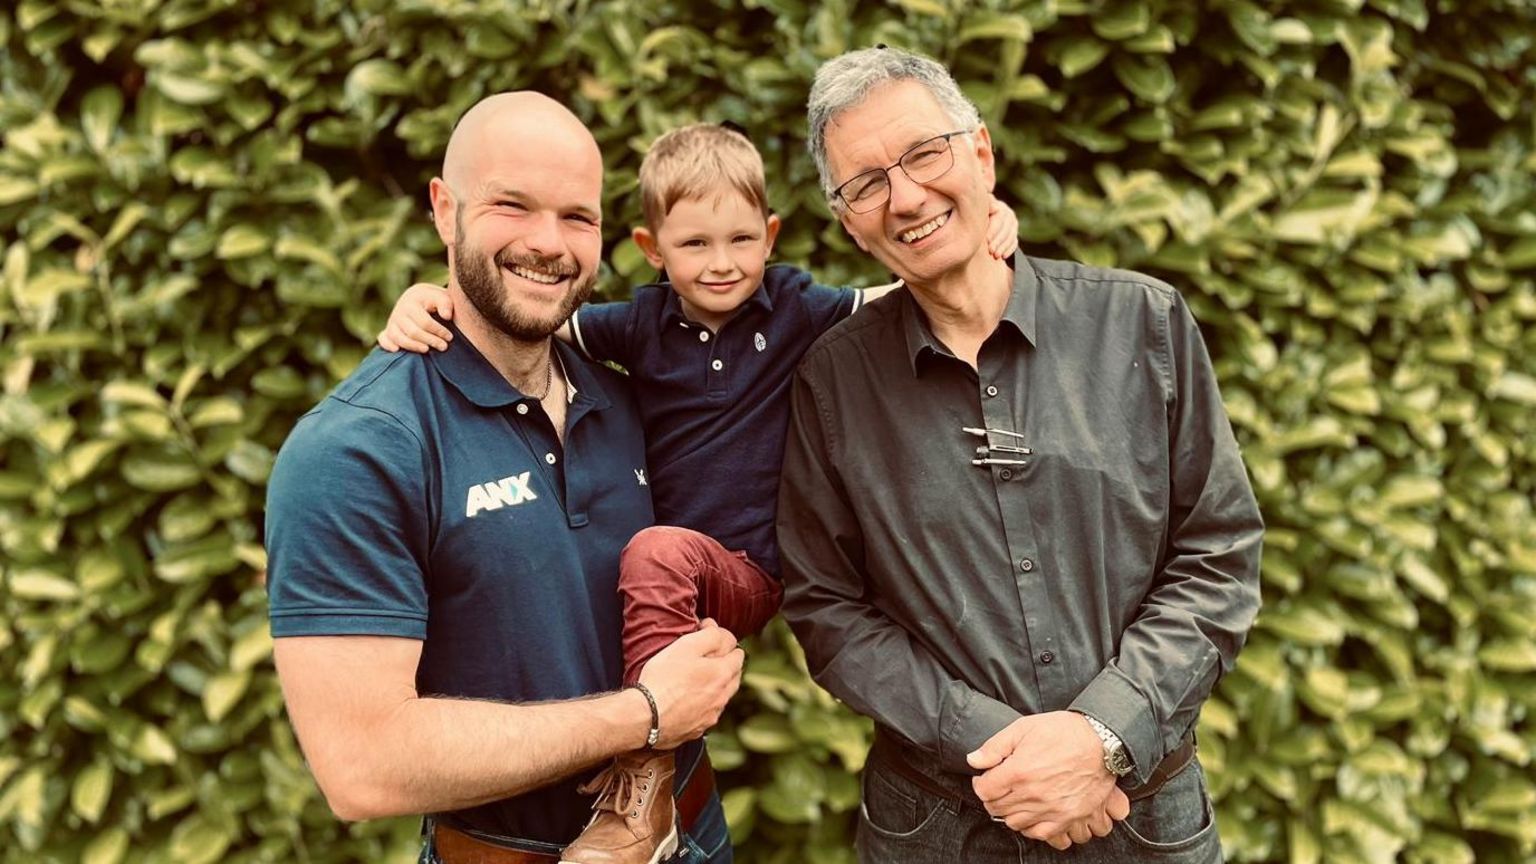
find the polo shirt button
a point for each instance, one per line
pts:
(522, 407)
(991, 391)
(1024, 563)
(703, 335)
(550, 458)
(1047, 657)
(717, 365)
(1005, 474)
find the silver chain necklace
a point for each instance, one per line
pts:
(549, 380)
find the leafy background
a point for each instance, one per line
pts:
(208, 206)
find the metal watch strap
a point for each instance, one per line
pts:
(654, 735)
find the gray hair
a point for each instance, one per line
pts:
(845, 81)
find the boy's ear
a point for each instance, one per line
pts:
(647, 243)
(442, 211)
(773, 226)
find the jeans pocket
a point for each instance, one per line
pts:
(893, 809)
(1178, 823)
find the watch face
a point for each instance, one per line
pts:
(1119, 764)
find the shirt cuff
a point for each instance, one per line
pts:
(1116, 701)
(966, 722)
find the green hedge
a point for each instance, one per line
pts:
(208, 206)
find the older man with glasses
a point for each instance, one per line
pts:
(1034, 580)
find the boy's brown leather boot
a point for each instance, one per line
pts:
(635, 820)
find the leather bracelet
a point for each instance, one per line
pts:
(654, 735)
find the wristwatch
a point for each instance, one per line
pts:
(1117, 760)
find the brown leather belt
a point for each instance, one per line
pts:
(1166, 770)
(458, 847)
(897, 760)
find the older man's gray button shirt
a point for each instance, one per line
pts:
(1114, 572)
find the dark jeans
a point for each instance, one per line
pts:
(901, 822)
(671, 577)
(705, 843)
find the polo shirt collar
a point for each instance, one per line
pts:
(463, 366)
(672, 307)
(1018, 314)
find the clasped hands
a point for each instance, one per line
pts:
(1044, 777)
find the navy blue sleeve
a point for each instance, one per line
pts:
(348, 527)
(827, 306)
(602, 332)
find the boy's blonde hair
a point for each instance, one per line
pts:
(699, 162)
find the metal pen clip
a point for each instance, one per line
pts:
(985, 451)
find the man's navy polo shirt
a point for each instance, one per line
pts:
(426, 498)
(716, 405)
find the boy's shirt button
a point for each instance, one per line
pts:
(550, 458)
(717, 365)
(522, 407)
(703, 335)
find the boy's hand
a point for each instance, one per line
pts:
(1002, 230)
(411, 325)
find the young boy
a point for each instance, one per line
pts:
(710, 353)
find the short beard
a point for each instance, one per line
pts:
(479, 277)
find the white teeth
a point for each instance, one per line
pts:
(924, 229)
(535, 275)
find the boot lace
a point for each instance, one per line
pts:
(618, 788)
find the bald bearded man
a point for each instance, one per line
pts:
(444, 530)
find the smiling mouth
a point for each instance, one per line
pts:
(912, 235)
(540, 276)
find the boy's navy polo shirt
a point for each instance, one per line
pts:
(716, 405)
(426, 498)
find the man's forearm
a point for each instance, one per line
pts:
(430, 755)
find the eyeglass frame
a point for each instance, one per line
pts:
(837, 194)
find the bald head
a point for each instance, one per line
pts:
(519, 121)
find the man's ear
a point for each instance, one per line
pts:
(985, 157)
(443, 211)
(648, 247)
(844, 216)
(772, 227)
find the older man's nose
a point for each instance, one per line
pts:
(906, 195)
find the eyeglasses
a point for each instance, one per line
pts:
(924, 163)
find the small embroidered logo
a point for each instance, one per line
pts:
(759, 341)
(640, 477)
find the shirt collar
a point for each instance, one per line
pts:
(463, 366)
(672, 307)
(1019, 313)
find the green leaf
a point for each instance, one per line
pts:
(92, 790)
(186, 89)
(40, 584)
(160, 470)
(198, 841)
(1509, 655)
(242, 241)
(1014, 28)
(108, 847)
(14, 190)
(766, 733)
(376, 77)
(154, 746)
(222, 692)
